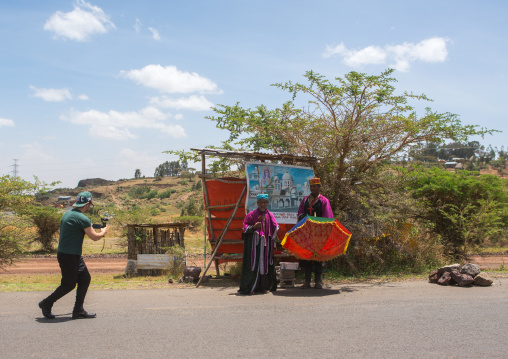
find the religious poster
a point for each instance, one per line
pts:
(285, 185)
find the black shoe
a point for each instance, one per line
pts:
(46, 306)
(83, 314)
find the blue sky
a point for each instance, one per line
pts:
(100, 88)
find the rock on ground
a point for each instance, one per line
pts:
(449, 268)
(445, 279)
(469, 268)
(462, 280)
(434, 276)
(483, 280)
(192, 271)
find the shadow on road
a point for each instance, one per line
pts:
(311, 292)
(62, 318)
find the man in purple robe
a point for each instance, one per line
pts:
(258, 268)
(315, 205)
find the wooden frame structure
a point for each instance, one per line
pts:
(153, 239)
(240, 155)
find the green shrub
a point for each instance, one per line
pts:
(138, 192)
(165, 194)
(13, 235)
(47, 221)
(176, 267)
(151, 194)
(462, 209)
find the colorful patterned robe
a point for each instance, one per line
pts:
(258, 269)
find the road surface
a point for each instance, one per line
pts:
(385, 320)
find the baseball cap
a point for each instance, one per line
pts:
(82, 199)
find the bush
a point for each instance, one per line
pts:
(47, 221)
(462, 209)
(175, 269)
(195, 221)
(138, 192)
(12, 237)
(405, 249)
(165, 194)
(135, 215)
(151, 194)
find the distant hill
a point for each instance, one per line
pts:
(93, 182)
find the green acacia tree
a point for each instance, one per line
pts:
(353, 124)
(16, 194)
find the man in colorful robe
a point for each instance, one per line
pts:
(258, 268)
(315, 205)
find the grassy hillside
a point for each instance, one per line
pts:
(136, 201)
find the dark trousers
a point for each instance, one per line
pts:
(312, 266)
(74, 271)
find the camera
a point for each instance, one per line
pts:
(104, 221)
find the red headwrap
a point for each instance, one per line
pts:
(314, 181)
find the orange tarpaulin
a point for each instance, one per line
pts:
(223, 197)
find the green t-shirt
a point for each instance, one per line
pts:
(72, 232)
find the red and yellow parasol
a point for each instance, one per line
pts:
(316, 238)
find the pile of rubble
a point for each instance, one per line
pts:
(466, 275)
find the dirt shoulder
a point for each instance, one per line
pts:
(117, 263)
(49, 266)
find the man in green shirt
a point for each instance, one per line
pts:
(73, 227)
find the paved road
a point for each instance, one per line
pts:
(387, 320)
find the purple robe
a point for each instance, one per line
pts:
(325, 207)
(265, 233)
(258, 270)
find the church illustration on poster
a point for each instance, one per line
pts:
(285, 185)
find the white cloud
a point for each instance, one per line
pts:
(83, 97)
(178, 116)
(118, 125)
(194, 103)
(171, 80)
(137, 26)
(400, 56)
(127, 157)
(52, 95)
(5, 122)
(155, 33)
(35, 153)
(81, 23)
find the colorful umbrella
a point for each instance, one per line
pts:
(316, 238)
